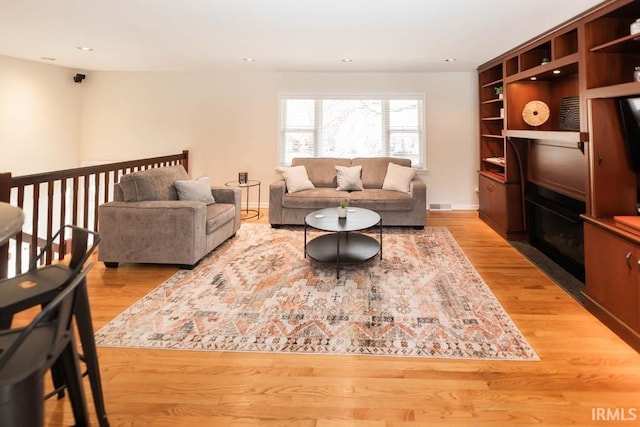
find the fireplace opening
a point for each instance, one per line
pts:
(555, 227)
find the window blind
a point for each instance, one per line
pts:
(352, 126)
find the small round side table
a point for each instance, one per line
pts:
(246, 212)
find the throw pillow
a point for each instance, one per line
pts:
(198, 190)
(152, 184)
(296, 178)
(398, 178)
(349, 177)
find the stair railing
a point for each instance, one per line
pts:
(50, 200)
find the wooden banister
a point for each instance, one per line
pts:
(70, 196)
(5, 196)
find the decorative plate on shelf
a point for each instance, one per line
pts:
(535, 113)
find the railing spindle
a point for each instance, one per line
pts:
(85, 210)
(96, 198)
(63, 214)
(20, 235)
(35, 199)
(49, 213)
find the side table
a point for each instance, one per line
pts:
(246, 212)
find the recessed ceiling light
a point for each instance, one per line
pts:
(345, 60)
(85, 49)
(47, 58)
(556, 71)
(450, 60)
(247, 59)
(534, 78)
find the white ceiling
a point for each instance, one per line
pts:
(282, 35)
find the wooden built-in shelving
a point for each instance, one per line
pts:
(592, 57)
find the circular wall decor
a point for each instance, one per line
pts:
(535, 113)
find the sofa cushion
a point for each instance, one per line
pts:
(349, 178)
(381, 200)
(296, 178)
(152, 184)
(322, 171)
(317, 198)
(374, 169)
(398, 178)
(219, 214)
(197, 190)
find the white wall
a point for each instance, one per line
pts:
(40, 109)
(229, 121)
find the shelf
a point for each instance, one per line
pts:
(566, 136)
(512, 66)
(567, 65)
(614, 91)
(532, 57)
(499, 161)
(565, 44)
(488, 135)
(492, 118)
(496, 176)
(491, 101)
(493, 83)
(626, 44)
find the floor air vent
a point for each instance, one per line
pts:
(439, 206)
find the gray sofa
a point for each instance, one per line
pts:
(394, 207)
(146, 223)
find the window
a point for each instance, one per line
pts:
(352, 126)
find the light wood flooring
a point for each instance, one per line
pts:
(585, 370)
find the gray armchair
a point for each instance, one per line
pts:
(146, 223)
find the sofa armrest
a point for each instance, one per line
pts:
(226, 194)
(277, 190)
(172, 231)
(232, 196)
(418, 190)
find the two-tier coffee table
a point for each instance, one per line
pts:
(344, 244)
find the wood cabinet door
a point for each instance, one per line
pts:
(613, 190)
(611, 265)
(499, 204)
(484, 195)
(492, 197)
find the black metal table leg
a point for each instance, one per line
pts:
(87, 339)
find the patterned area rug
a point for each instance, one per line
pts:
(257, 292)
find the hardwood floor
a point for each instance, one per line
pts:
(585, 371)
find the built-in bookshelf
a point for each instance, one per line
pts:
(579, 70)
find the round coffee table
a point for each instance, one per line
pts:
(343, 244)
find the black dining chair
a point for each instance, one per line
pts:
(43, 284)
(27, 353)
(45, 279)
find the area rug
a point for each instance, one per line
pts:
(257, 292)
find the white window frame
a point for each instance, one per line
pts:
(386, 130)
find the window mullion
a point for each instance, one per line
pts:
(386, 131)
(283, 134)
(317, 128)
